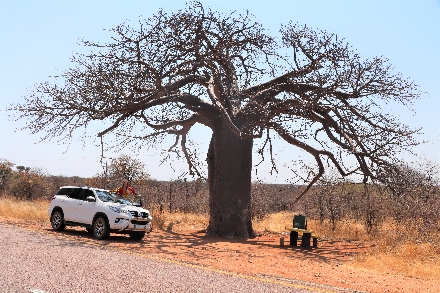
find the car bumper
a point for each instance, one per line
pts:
(133, 224)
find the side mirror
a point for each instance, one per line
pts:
(90, 199)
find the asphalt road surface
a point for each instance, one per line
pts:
(39, 263)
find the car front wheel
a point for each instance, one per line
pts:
(57, 221)
(101, 229)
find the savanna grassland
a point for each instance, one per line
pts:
(410, 258)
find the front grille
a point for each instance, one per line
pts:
(137, 222)
(134, 213)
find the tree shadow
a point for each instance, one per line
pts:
(197, 245)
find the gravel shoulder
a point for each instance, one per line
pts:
(261, 257)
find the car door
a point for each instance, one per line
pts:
(69, 204)
(85, 210)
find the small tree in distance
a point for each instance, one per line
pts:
(28, 183)
(122, 168)
(226, 72)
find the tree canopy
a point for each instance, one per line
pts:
(172, 71)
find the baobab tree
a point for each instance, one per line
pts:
(196, 66)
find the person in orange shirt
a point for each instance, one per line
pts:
(125, 189)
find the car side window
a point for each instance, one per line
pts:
(87, 193)
(64, 191)
(75, 193)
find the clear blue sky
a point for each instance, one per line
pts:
(37, 38)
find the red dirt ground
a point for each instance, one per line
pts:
(329, 264)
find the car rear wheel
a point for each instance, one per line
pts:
(101, 229)
(57, 221)
(136, 235)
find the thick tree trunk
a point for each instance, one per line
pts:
(229, 175)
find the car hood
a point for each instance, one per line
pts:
(134, 208)
(127, 207)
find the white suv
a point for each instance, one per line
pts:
(99, 211)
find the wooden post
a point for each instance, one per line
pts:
(282, 241)
(306, 240)
(293, 238)
(315, 242)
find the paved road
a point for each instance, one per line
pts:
(40, 263)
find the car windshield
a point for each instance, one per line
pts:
(107, 196)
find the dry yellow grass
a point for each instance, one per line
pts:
(179, 221)
(418, 261)
(386, 256)
(26, 210)
(278, 222)
(274, 223)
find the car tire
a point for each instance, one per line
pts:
(101, 228)
(57, 220)
(136, 235)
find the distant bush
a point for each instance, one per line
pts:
(412, 206)
(175, 196)
(5, 174)
(27, 184)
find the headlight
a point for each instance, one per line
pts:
(118, 210)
